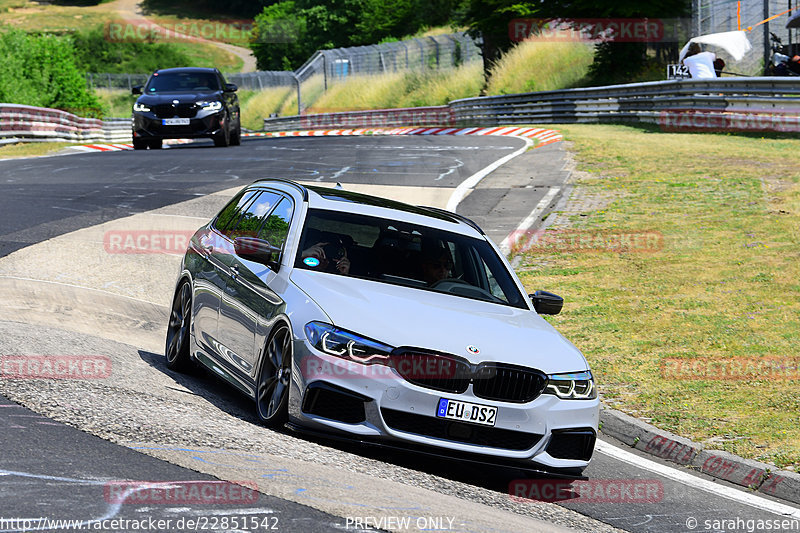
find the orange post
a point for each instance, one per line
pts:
(739, 15)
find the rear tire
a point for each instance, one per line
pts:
(177, 350)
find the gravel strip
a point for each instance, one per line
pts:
(141, 401)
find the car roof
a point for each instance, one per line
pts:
(186, 69)
(339, 199)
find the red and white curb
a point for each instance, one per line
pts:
(543, 136)
(122, 146)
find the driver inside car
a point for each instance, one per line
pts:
(436, 264)
(331, 256)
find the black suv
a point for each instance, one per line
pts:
(178, 103)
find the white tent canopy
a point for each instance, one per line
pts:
(733, 42)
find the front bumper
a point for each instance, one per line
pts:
(148, 125)
(374, 403)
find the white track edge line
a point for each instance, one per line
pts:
(696, 482)
(461, 191)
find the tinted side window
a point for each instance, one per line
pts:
(230, 213)
(276, 226)
(251, 219)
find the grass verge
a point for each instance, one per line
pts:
(724, 286)
(32, 149)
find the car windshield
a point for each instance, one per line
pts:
(410, 255)
(170, 82)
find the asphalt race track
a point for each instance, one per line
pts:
(189, 427)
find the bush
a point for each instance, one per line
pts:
(95, 53)
(40, 70)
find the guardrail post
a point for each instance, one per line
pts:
(297, 81)
(436, 45)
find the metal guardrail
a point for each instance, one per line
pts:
(755, 104)
(377, 118)
(22, 123)
(652, 102)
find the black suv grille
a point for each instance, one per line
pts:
(508, 383)
(458, 431)
(572, 444)
(175, 110)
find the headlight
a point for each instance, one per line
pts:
(210, 106)
(140, 108)
(574, 386)
(347, 345)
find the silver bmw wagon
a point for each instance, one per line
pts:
(356, 316)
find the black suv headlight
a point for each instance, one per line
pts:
(571, 386)
(348, 345)
(140, 108)
(210, 105)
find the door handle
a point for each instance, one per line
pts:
(234, 272)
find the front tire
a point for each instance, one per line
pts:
(139, 144)
(272, 393)
(223, 138)
(177, 347)
(236, 136)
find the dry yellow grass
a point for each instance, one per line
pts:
(539, 65)
(258, 105)
(401, 89)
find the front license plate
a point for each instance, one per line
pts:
(175, 122)
(466, 412)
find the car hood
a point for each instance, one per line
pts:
(183, 97)
(401, 316)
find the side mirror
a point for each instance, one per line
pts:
(547, 303)
(231, 88)
(136, 89)
(258, 250)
